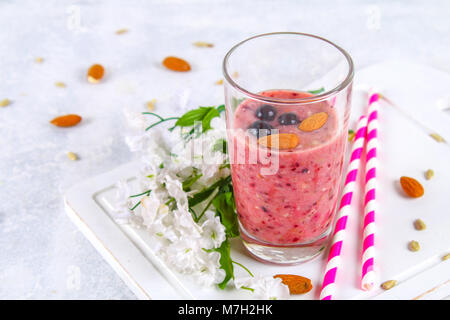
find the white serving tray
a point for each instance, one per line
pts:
(406, 149)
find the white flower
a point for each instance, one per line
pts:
(185, 255)
(122, 203)
(150, 206)
(213, 231)
(166, 162)
(184, 223)
(211, 273)
(175, 189)
(266, 288)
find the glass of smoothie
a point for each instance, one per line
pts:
(288, 98)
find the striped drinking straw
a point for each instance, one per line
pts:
(334, 259)
(368, 253)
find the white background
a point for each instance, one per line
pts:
(42, 254)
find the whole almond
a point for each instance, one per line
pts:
(314, 122)
(296, 284)
(279, 141)
(68, 120)
(412, 187)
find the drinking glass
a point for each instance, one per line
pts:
(287, 98)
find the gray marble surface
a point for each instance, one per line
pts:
(42, 254)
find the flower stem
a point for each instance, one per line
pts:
(194, 214)
(154, 114)
(240, 265)
(135, 206)
(160, 121)
(204, 210)
(141, 194)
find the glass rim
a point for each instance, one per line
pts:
(319, 97)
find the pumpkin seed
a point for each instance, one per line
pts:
(429, 174)
(419, 225)
(72, 156)
(413, 246)
(388, 284)
(437, 137)
(5, 102)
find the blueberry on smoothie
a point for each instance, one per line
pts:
(287, 119)
(266, 112)
(260, 128)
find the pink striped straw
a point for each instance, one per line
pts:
(334, 257)
(368, 254)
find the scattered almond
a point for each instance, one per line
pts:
(279, 141)
(151, 105)
(60, 84)
(202, 44)
(95, 73)
(121, 31)
(437, 137)
(429, 174)
(219, 82)
(39, 60)
(296, 284)
(446, 257)
(388, 284)
(176, 64)
(235, 74)
(72, 156)
(419, 225)
(66, 121)
(314, 122)
(413, 246)
(5, 102)
(412, 187)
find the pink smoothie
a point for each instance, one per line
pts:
(295, 204)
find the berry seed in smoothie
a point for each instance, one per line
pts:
(295, 203)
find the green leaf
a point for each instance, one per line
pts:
(201, 114)
(201, 196)
(225, 165)
(220, 145)
(205, 193)
(204, 115)
(225, 263)
(320, 90)
(221, 108)
(206, 121)
(188, 119)
(190, 181)
(226, 208)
